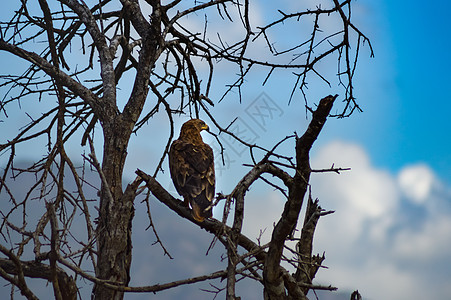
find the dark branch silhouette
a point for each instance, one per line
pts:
(80, 58)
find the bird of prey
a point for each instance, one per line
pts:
(192, 169)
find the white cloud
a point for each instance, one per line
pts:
(375, 280)
(431, 241)
(261, 212)
(416, 182)
(375, 241)
(359, 196)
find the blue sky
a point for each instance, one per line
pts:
(402, 138)
(422, 43)
(412, 45)
(391, 234)
(401, 153)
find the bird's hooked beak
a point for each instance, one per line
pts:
(205, 127)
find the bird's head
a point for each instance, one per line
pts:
(195, 124)
(192, 128)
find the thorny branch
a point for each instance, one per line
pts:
(275, 286)
(79, 60)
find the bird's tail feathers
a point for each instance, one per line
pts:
(199, 206)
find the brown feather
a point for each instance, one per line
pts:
(191, 163)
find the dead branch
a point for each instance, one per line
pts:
(80, 58)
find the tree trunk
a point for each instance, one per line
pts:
(115, 216)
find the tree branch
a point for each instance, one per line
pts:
(274, 286)
(106, 60)
(35, 269)
(210, 225)
(74, 86)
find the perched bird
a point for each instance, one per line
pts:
(192, 169)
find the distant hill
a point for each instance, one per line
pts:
(185, 242)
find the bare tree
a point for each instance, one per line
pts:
(79, 55)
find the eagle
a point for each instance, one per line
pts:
(191, 164)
